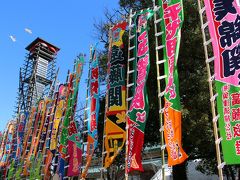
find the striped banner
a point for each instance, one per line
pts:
(8, 149)
(68, 127)
(38, 123)
(59, 113)
(29, 131)
(62, 161)
(172, 13)
(92, 109)
(74, 143)
(138, 109)
(54, 121)
(20, 132)
(115, 134)
(223, 22)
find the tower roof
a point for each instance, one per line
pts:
(39, 40)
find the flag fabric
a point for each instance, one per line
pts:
(172, 13)
(3, 142)
(69, 131)
(92, 109)
(64, 129)
(8, 144)
(28, 139)
(115, 134)
(29, 151)
(223, 22)
(3, 145)
(38, 123)
(74, 143)
(20, 133)
(59, 113)
(5, 161)
(44, 132)
(47, 153)
(138, 109)
(40, 135)
(29, 131)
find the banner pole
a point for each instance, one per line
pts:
(106, 98)
(49, 130)
(127, 91)
(85, 121)
(210, 81)
(160, 94)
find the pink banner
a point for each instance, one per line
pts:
(223, 21)
(74, 160)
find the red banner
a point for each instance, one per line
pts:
(74, 160)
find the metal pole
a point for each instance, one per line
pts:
(210, 81)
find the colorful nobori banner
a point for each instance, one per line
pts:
(228, 105)
(47, 154)
(59, 113)
(36, 134)
(223, 22)
(172, 13)
(8, 144)
(28, 132)
(138, 110)
(92, 109)
(62, 160)
(70, 139)
(23, 116)
(74, 143)
(224, 27)
(116, 96)
(3, 143)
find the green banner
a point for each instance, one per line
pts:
(139, 108)
(172, 13)
(228, 103)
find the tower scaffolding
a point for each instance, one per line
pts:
(37, 73)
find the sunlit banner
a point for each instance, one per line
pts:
(139, 107)
(46, 152)
(8, 144)
(20, 132)
(69, 129)
(74, 143)
(223, 22)
(60, 102)
(116, 96)
(29, 131)
(92, 109)
(28, 138)
(64, 130)
(36, 134)
(59, 112)
(172, 13)
(8, 148)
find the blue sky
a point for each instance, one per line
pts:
(66, 24)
